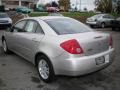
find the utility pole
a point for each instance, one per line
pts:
(20, 4)
(80, 5)
(0, 2)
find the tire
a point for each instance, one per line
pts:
(5, 47)
(103, 25)
(45, 69)
(115, 29)
(92, 26)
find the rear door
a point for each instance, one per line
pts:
(108, 19)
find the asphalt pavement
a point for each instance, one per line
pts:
(18, 74)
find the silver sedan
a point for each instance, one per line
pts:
(5, 20)
(100, 20)
(59, 46)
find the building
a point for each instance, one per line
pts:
(12, 4)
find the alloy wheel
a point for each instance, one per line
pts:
(43, 69)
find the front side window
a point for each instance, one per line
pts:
(19, 27)
(67, 26)
(20, 24)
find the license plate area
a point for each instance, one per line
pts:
(100, 60)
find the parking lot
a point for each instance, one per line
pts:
(18, 74)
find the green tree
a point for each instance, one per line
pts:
(65, 4)
(104, 5)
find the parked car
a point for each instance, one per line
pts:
(40, 8)
(55, 14)
(59, 46)
(100, 20)
(52, 9)
(116, 24)
(5, 20)
(23, 9)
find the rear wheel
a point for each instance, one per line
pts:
(45, 69)
(115, 29)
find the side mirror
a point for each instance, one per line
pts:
(10, 29)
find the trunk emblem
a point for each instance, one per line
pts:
(90, 49)
(97, 37)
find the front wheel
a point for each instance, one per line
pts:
(103, 25)
(45, 69)
(115, 29)
(4, 45)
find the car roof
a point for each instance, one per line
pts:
(103, 14)
(46, 17)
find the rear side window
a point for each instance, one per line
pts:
(108, 16)
(39, 30)
(96, 16)
(31, 26)
(118, 18)
(67, 26)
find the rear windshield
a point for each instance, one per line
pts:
(3, 15)
(118, 18)
(67, 26)
(96, 16)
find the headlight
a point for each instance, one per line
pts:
(10, 21)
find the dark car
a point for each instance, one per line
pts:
(116, 24)
(2, 8)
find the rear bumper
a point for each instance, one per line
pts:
(82, 65)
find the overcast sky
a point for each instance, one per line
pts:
(89, 4)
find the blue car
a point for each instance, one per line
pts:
(22, 9)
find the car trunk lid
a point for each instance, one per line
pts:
(92, 42)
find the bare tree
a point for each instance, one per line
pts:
(104, 5)
(65, 4)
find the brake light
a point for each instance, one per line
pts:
(111, 41)
(72, 46)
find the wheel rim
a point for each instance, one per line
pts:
(103, 25)
(4, 46)
(43, 69)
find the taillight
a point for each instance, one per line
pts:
(111, 41)
(72, 46)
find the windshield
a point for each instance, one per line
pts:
(67, 26)
(3, 15)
